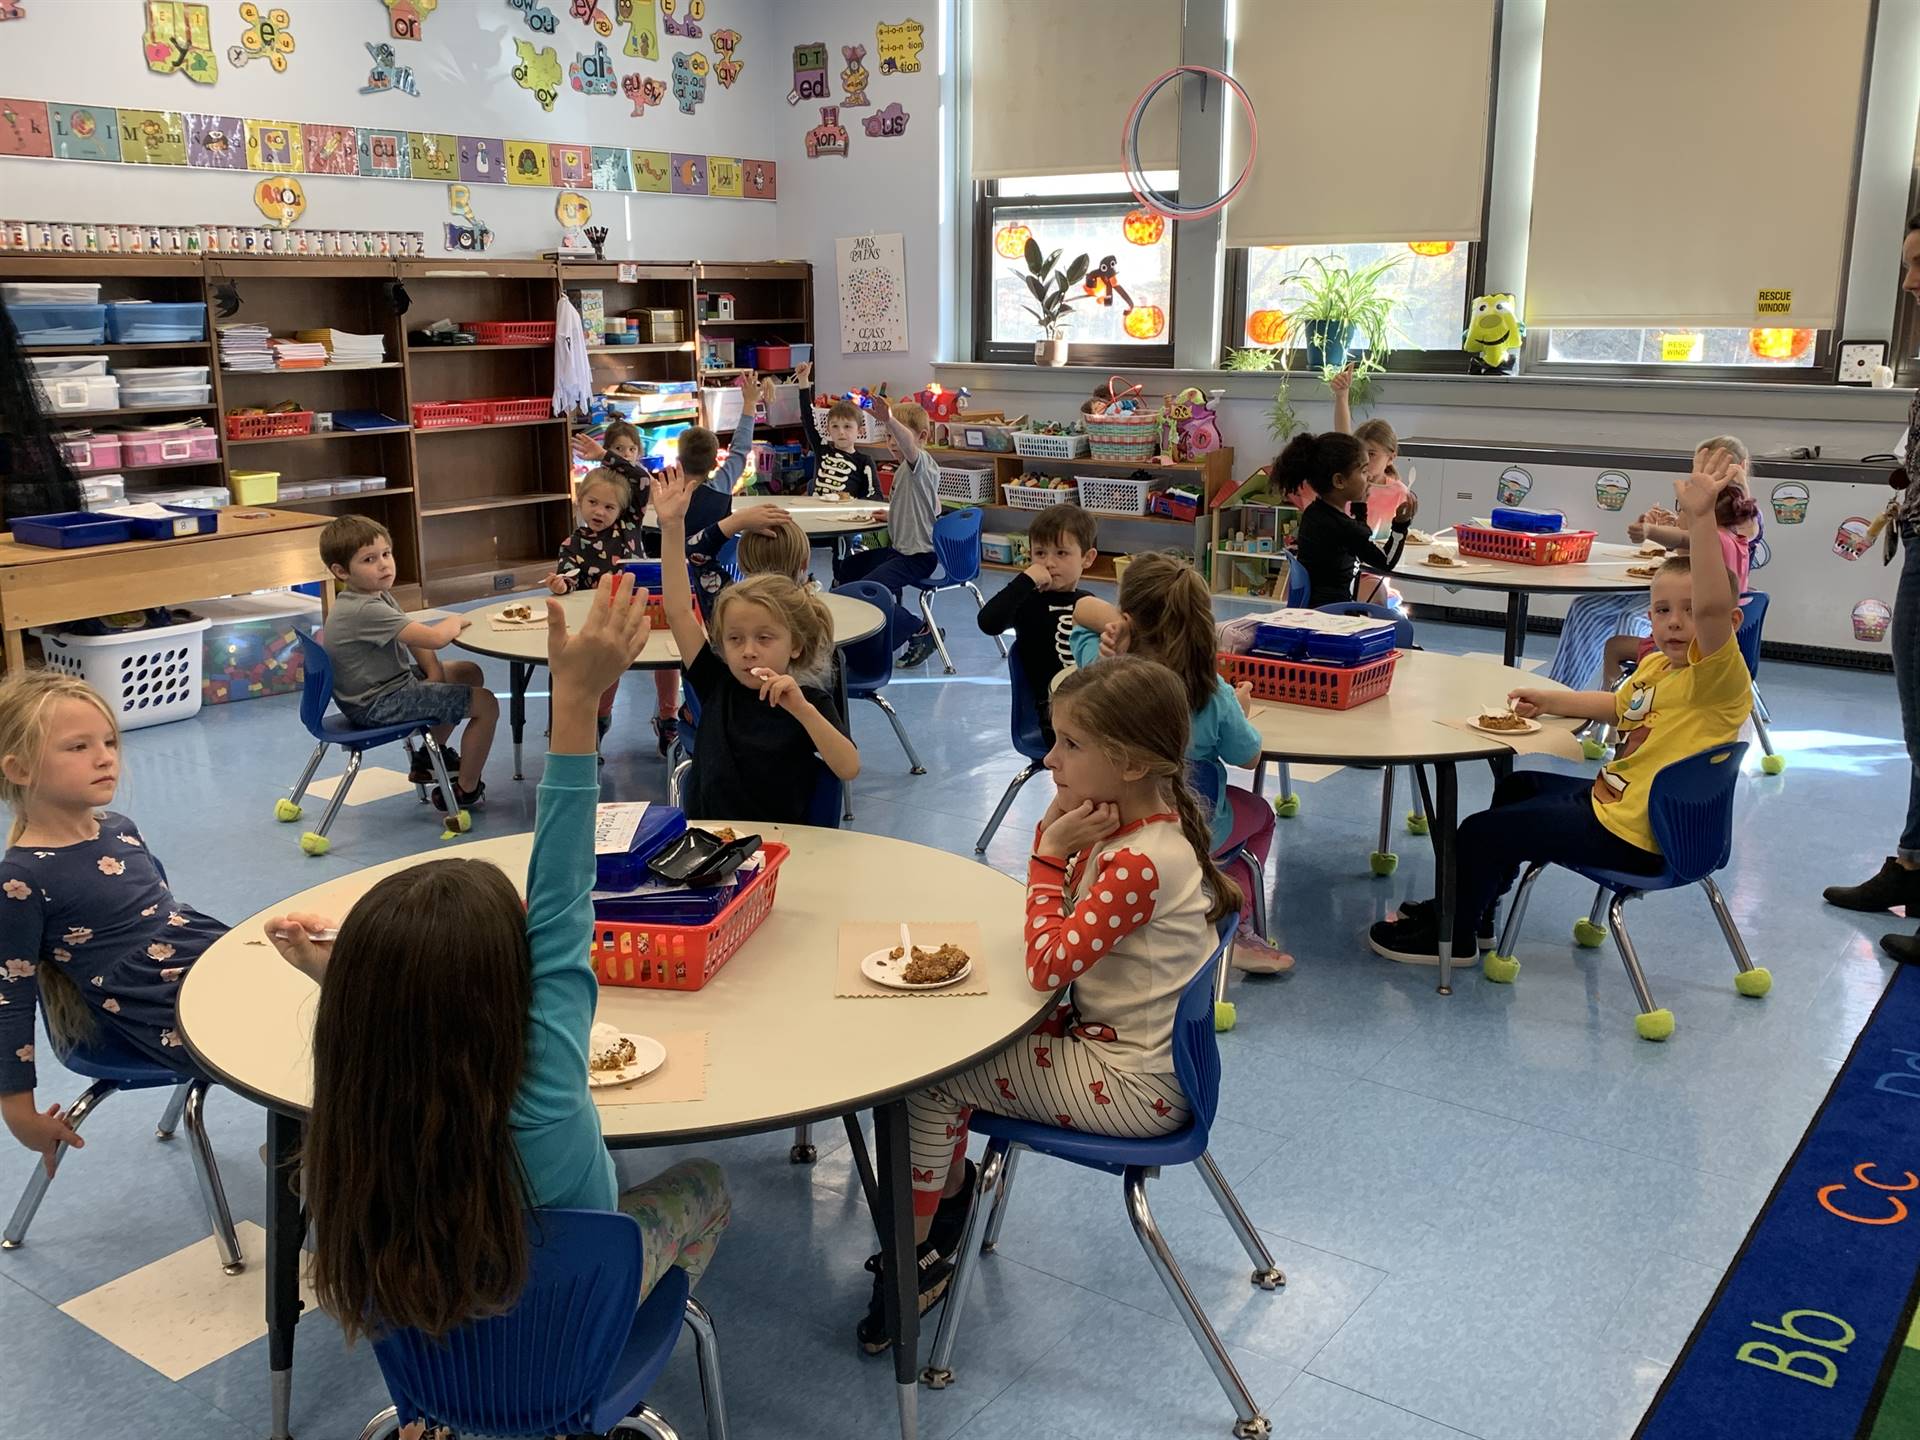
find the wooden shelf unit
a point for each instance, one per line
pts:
(774, 295)
(470, 516)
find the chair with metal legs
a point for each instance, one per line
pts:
(1691, 812)
(1196, 1060)
(1029, 742)
(869, 665)
(1753, 621)
(113, 1065)
(956, 543)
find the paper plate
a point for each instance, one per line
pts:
(1531, 726)
(881, 968)
(648, 1056)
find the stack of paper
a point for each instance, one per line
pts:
(245, 347)
(347, 348)
(299, 355)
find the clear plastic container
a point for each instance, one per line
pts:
(80, 393)
(58, 367)
(59, 324)
(153, 322)
(151, 377)
(169, 447)
(50, 292)
(174, 395)
(99, 491)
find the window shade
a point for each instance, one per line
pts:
(1392, 102)
(1692, 153)
(1053, 81)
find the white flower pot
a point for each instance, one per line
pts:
(1050, 352)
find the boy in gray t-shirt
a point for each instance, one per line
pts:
(385, 671)
(910, 511)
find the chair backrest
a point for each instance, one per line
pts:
(1402, 627)
(1196, 1053)
(1753, 619)
(728, 558)
(540, 1368)
(956, 541)
(1029, 740)
(823, 806)
(869, 662)
(1299, 583)
(317, 689)
(1206, 783)
(1690, 810)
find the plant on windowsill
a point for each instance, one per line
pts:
(1338, 307)
(1048, 283)
(1283, 420)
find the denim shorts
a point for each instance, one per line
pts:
(427, 701)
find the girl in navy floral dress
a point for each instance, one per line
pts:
(89, 928)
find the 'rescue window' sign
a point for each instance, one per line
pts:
(1772, 302)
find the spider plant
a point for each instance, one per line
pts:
(1337, 304)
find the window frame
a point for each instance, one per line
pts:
(987, 208)
(1533, 361)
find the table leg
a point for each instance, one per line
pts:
(286, 1228)
(16, 652)
(1516, 645)
(846, 725)
(895, 1222)
(863, 1163)
(1445, 821)
(519, 676)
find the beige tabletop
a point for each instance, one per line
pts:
(1605, 570)
(1403, 726)
(781, 1046)
(852, 620)
(818, 518)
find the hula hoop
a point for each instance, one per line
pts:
(1130, 147)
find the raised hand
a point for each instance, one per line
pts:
(611, 639)
(1713, 471)
(588, 448)
(1341, 381)
(672, 493)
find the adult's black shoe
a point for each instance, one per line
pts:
(1894, 885)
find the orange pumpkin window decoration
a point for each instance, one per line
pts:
(1145, 322)
(1010, 240)
(1143, 227)
(1430, 247)
(1770, 343)
(1267, 327)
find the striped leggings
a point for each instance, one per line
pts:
(1591, 621)
(1051, 1075)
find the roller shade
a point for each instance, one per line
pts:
(1053, 81)
(1691, 154)
(1374, 120)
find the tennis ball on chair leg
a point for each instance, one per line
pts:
(315, 844)
(1773, 764)
(1753, 983)
(1416, 823)
(1654, 1024)
(1287, 806)
(1224, 1015)
(284, 810)
(1587, 935)
(1383, 862)
(1500, 969)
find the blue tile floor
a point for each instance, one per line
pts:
(1500, 1213)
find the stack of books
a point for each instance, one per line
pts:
(245, 348)
(347, 348)
(299, 355)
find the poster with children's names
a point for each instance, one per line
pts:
(873, 294)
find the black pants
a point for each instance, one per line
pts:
(890, 568)
(1534, 816)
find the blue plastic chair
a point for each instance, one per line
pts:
(1244, 868)
(728, 558)
(956, 544)
(869, 664)
(1299, 583)
(573, 1355)
(336, 729)
(1691, 812)
(1753, 621)
(1196, 1061)
(823, 805)
(1029, 742)
(112, 1064)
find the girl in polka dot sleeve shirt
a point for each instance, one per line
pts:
(1122, 903)
(89, 928)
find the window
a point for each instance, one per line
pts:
(1680, 347)
(1429, 290)
(1091, 215)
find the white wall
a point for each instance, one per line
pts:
(90, 52)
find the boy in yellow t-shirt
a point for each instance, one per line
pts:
(1693, 692)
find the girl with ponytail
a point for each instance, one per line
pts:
(1333, 545)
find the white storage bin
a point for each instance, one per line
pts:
(161, 377)
(146, 678)
(79, 392)
(47, 367)
(165, 395)
(50, 292)
(966, 484)
(99, 491)
(723, 405)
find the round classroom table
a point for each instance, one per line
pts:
(782, 1048)
(1602, 574)
(1406, 727)
(526, 647)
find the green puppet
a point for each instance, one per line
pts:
(1494, 334)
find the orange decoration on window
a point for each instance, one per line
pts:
(1267, 327)
(1769, 343)
(1010, 241)
(1145, 322)
(1430, 247)
(1143, 227)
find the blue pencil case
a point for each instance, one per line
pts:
(625, 869)
(1528, 522)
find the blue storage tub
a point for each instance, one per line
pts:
(63, 324)
(1302, 642)
(183, 521)
(1528, 522)
(645, 573)
(156, 323)
(72, 529)
(623, 870)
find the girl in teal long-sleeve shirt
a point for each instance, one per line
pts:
(450, 1052)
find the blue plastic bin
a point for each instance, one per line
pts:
(183, 521)
(1300, 642)
(156, 323)
(1528, 522)
(628, 868)
(645, 573)
(72, 530)
(63, 324)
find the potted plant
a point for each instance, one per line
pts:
(1338, 307)
(1048, 284)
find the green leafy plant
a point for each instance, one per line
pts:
(1282, 419)
(1336, 302)
(1049, 284)
(1252, 357)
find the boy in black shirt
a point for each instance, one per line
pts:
(839, 469)
(1037, 604)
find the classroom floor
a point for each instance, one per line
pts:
(1499, 1213)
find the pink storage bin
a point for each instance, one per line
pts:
(168, 447)
(101, 452)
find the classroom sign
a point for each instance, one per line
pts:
(873, 294)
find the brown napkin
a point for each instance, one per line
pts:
(860, 938)
(1547, 740)
(683, 1077)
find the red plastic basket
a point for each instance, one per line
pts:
(509, 332)
(537, 408)
(685, 957)
(266, 427)
(443, 413)
(1567, 547)
(1330, 687)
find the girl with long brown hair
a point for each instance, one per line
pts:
(451, 1045)
(1122, 900)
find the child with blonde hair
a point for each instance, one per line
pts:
(910, 515)
(780, 547)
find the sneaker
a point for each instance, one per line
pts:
(1904, 948)
(949, 1221)
(473, 799)
(420, 771)
(1484, 935)
(936, 1270)
(666, 729)
(919, 648)
(1415, 941)
(1254, 956)
(1894, 885)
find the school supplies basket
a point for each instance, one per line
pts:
(1295, 682)
(441, 414)
(267, 427)
(1567, 547)
(966, 485)
(1034, 497)
(509, 332)
(1110, 495)
(1036, 446)
(539, 407)
(1133, 436)
(683, 957)
(146, 677)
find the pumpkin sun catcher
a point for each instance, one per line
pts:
(1143, 227)
(1267, 327)
(1430, 247)
(1771, 343)
(1010, 241)
(1145, 322)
